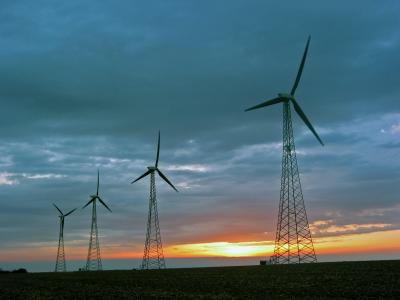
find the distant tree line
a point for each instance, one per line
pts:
(20, 270)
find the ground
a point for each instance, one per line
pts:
(349, 280)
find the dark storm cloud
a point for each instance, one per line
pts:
(85, 85)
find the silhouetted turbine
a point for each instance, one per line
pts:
(93, 262)
(293, 242)
(60, 261)
(153, 256)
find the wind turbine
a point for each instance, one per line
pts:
(293, 241)
(153, 256)
(93, 262)
(60, 262)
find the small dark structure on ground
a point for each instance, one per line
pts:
(20, 270)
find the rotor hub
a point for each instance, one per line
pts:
(286, 96)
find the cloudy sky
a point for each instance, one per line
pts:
(86, 85)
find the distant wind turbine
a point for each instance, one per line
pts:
(153, 256)
(60, 262)
(93, 262)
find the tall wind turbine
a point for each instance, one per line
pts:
(60, 262)
(93, 262)
(293, 241)
(153, 256)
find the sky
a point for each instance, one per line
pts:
(87, 85)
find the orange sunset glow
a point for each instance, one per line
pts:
(385, 241)
(366, 243)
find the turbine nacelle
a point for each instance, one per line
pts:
(286, 97)
(62, 215)
(152, 168)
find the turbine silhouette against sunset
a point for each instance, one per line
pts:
(93, 262)
(61, 265)
(153, 256)
(293, 241)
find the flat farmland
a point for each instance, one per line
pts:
(340, 280)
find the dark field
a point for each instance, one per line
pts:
(352, 280)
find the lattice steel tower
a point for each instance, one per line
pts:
(93, 262)
(293, 241)
(153, 257)
(60, 262)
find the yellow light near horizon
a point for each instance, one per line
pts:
(223, 249)
(374, 242)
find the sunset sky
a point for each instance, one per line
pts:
(87, 85)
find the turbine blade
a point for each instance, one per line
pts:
(267, 103)
(98, 175)
(70, 212)
(303, 116)
(58, 209)
(166, 179)
(140, 177)
(105, 205)
(90, 201)
(303, 60)
(158, 149)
